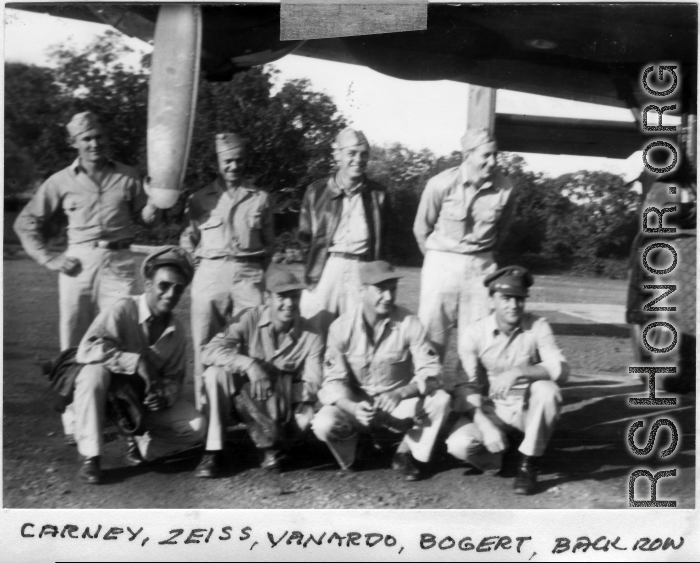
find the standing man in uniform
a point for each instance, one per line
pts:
(231, 235)
(512, 366)
(101, 199)
(343, 220)
(268, 365)
(139, 337)
(461, 215)
(381, 377)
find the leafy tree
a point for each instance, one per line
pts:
(33, 109)
(405, 172)
(585, 221)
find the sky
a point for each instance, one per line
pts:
(417, 114)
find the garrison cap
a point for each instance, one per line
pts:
(229, 141)
(169, 256)
(511, 280)
(82, 122)
(372, 273)
(474, 138)
(279, 279)
(349, 137)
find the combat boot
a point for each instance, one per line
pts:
(526, 479)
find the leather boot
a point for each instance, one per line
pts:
(133, 457)
(404, 462)
(90, 471)
(526, 479)
(209, 467)
(272, 461)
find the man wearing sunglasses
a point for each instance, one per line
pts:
(139, 337)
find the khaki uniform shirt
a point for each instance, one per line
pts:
(300, 351)
(95, 212)
(352, 233)
(221, 225)
(486, 352)
(120, 335)
(400, 354)
(453, 216)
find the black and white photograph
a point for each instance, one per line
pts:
(345, 256)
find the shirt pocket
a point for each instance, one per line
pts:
(212, 232)
(77, 209)
(396, 366)
(452, 221)
(250, 237)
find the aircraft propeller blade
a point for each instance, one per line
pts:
(172, 99)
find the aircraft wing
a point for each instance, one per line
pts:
(584, 52)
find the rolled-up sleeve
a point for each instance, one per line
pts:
(428, 213)
(336, 372)
(226, 349)
(551, 357)
(426, 362)
(36, 213)
(102, 343)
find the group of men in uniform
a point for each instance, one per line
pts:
(332, 354)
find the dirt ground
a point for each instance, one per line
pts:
(587, 465)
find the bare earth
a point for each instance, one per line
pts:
(586, 466)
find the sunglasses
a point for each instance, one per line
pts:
(165, 287)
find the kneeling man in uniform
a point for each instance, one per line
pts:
(139, 337)
(381, 375)
(514, 356)
(268, 364)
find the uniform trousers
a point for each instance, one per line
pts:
(338, 290)
(105, 277)
(168, 431)
(221, 290)
(340, 430)
(534, 412)
(274, 423)
(452, 292)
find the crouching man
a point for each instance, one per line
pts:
(516, 352)
(381, 376)
(268, 364)
(139, 337)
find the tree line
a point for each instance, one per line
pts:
(584, 221)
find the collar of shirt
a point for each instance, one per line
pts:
(466, 182)
(340, 189)
(76, 167)
(494, 330)
(388, 322)
(146, 315)
(292, 335)
(218, 186)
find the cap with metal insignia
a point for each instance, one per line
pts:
(511, 280)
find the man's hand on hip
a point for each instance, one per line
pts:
(67, 265)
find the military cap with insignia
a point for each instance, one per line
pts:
(511, 280)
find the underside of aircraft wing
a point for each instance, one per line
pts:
(585, 52)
